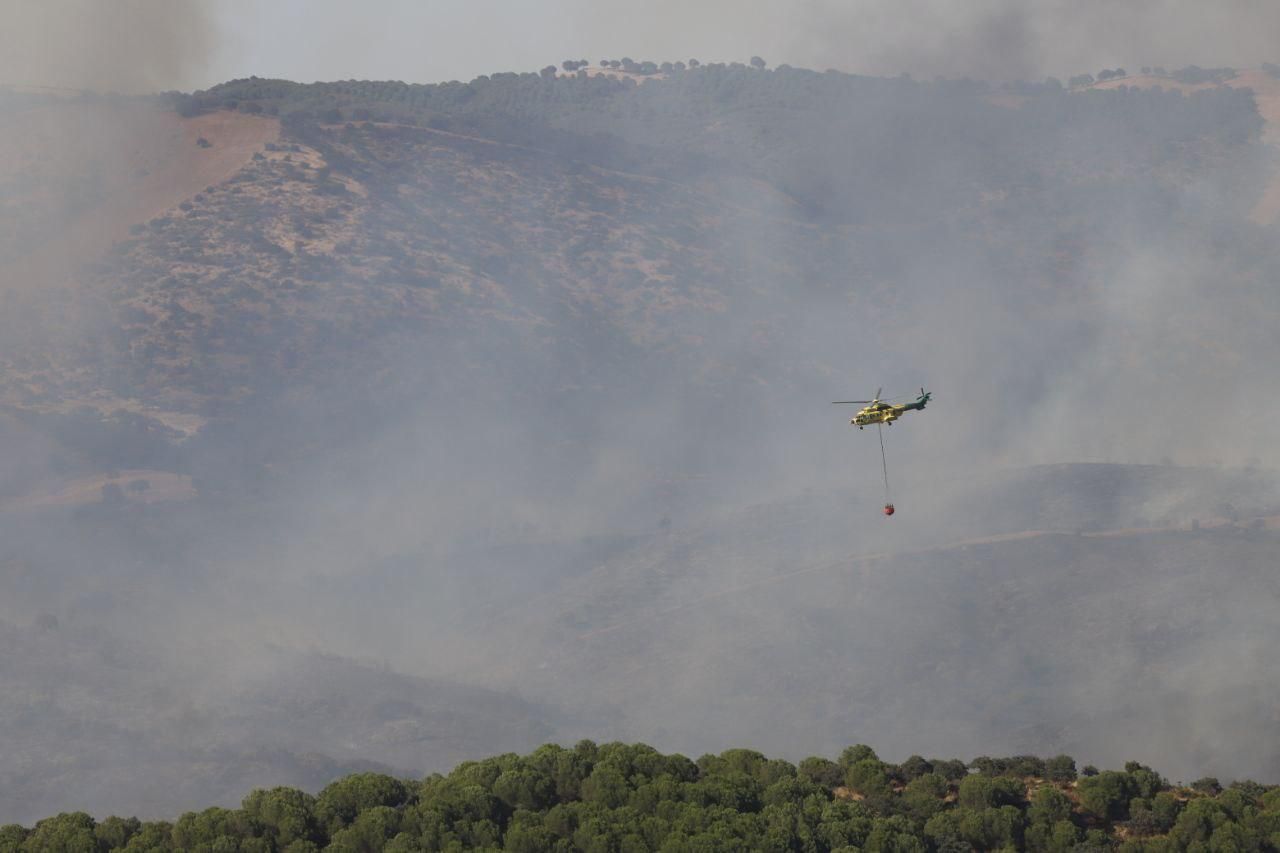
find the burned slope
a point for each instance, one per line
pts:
(574, 246)
(1153, 640)
(103, 723)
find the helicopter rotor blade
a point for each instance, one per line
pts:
(843, 402)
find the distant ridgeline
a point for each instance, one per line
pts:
(621, 797)
(834, 141)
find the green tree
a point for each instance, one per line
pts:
(988, 766)
(992, 828)
(853, 754)
(1165, 808)
(11, 837)
(869, 779)
(1234, 838)
(1197, 822)
(977, 792)
(339, 802)
(1060, 768)
(527, 834)
(69, 832)
(457, 803)
(478, 834)
(566, 768)
(822, 771)
(923, 796)
(1237, 804)
(607, 786)
(943, 831)
(1025, 766)
(114, 833)
(1059, 837)
(370, 831)
(1107, 795)
(301, 846)
(1207, 785)
(792, 789)
(213, 827)
(953, 769)
(1249, 788)
(286, 815)
(844, 824)
(734, 791)
(914, 767)
(893, 835)
(525, 789)
(1144, 781)
(152, 836)
(1048, 806)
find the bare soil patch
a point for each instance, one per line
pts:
(137, 486)
(75, 176)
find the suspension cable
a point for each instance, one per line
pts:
(884, 464)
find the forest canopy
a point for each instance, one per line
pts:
(630, 797)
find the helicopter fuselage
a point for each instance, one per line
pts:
(883, 413)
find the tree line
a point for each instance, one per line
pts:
(631, 797)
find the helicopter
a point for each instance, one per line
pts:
(877, 411)
(880, 412)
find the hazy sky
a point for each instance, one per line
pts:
(156, 44)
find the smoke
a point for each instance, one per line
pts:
(1005, 39)
(637, 550)
(144, 45)
(986, 39)
(127, 46)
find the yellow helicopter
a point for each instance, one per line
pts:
(877, 411)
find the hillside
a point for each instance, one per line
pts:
(405, 423)
(703, 226)
(1265, 87)
(99, 722)
(619, 796)
(1008, 642)
(83, 170)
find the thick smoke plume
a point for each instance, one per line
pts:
(127, 46)
(984, 39)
